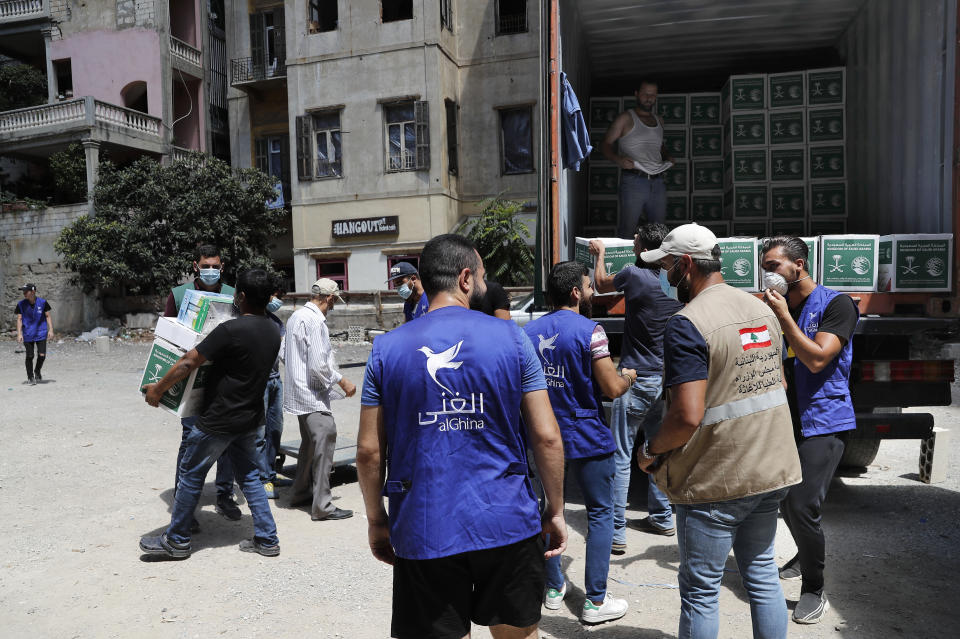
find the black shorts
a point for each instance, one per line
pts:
(438, 598)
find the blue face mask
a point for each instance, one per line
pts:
(405, 291)
(274, 304)
(209, 276)
(668, 290)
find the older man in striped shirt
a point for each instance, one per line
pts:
(311, 375)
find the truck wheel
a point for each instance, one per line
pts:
(859, 452)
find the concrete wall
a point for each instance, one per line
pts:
(101, 69)
(27, 255)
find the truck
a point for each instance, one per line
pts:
(898, 73)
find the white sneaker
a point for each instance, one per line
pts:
(553, 598)
(610, 610)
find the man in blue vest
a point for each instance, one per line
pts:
(410, 289)
(34, 328)
(818, 325)
(207, 268)
(440, 435)
(576, 362)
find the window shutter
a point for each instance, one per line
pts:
(285, 166)
(304, 147)
(421, 116)
(257, 54)
(280, 42)
(260, 155)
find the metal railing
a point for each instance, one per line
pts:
(85, 109)
(186, 52)
(252, 70)
(516, 23)
(402, 162)
(10, 9)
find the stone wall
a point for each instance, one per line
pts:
(27, 255)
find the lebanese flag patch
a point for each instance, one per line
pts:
(758, 337)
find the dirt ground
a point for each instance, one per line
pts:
(88, 466)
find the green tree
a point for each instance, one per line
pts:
(501, 239)
(21, 85)
(68, 170)
(149, 219)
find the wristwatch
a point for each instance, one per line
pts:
(645, 451)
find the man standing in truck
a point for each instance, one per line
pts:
(818, 325)
(643, 157)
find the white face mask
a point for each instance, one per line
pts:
(775, 282)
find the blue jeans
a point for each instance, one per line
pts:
(269, 433)
(640, 406)
(225, 472)
(595, 476)
(203, 449)
(705, 535)
(640, 197)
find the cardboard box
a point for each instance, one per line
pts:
(675, 179)
(706, 206)
(747, 201)
(813, 244)
(826, 124)
(828, 199)
(827, 226)
(203, 311)
(707, 175)
(596, 156)
(919, 262)
(786, 90)
(628, 102)
(172, 331)
(849, 262)
(617, 253)
(795, 228)
(826, 86)
(785, 127)
(704, 108)
(673, 108)
(747, 228)
(603, 212)
(604, 180)
(603, 111)
(788, 201)
(675, 141)
(678, 207)
(720, 229)
(745, 129)
(706, 142)
(745, 166)
(185, 398)
(827, 162)
(738, 256)
(787, 163)
(743, 93)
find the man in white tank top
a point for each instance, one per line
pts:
(638, 134)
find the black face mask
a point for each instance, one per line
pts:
(683, 289)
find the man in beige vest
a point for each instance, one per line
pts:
(725, 455)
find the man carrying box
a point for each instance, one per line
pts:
(242, 352)
(207, 267)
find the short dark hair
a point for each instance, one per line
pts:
(712, 265)
(257, 285)
(651, 235)
(443, 258)
(563, 278)
(205, 250)
(643, 81)
(793, 247)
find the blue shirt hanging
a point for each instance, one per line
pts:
(576, 138)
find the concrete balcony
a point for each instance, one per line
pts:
(35, 130)
(182, 54)
(250, 72)
(12, 11)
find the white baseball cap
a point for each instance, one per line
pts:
(326, 286)
(689, 239)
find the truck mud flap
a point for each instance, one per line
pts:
(894, 425)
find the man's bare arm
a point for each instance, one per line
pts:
(614, 133)
(544, 436)
(372, 473)
(601, 280)
(49, 325)
(687, 406)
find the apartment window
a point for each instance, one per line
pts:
(272, 156)
(446, 14)
(393, 10)
(516, 140)
(322, 15)
(268, 56)
(63, 70)
(319, 145)
(452, 160)
(407, 136)
(393, 259)
(334, 269)
(511, 16)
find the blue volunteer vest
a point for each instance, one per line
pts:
(823, 398)
(34, 320)
(562, 341)
(450, 391)
(412, 312)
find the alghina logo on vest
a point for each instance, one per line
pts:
(455, 414)
(554, 374)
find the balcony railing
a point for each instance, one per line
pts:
(186, 52)
(85, 109)
(13, 9)
(516, 23)
(251, 70)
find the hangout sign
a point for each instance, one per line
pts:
(361, 227)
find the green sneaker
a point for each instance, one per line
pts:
(553, 598)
